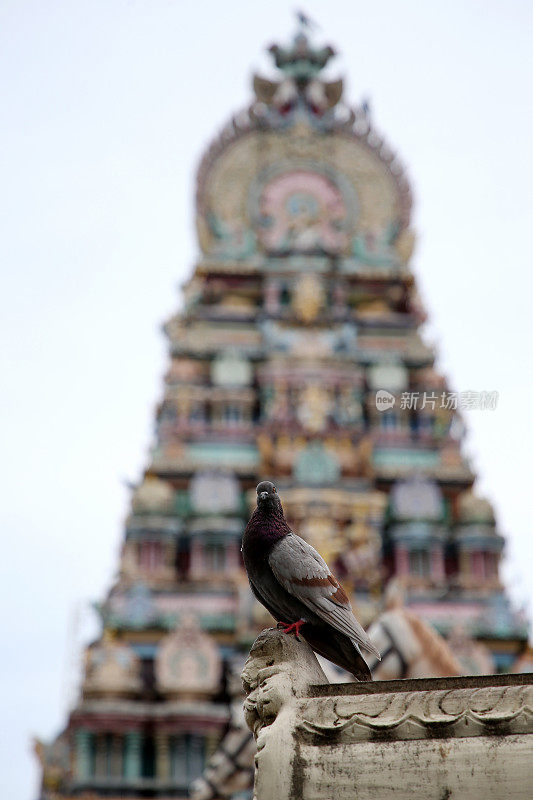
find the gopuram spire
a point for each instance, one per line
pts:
(298, 356)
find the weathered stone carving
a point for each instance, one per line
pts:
(188, 664)
(153, 496)
(278, 669)
(414, 714)
(393, 740)
(112, 669)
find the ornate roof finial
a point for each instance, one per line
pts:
(301, 88)
(301, 60)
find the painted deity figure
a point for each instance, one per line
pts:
(302, 211)
(374, 248)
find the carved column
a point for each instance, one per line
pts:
(339, 300)
(117, 749)
(211, 743)
(465, 572)
(101, 755)
(82, 740)
(233, 560)
(197, 558)
(437, 563)
(162, 756)
(272, 295)
(401, 560)
(132, 755)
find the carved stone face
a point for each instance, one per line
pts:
(278, 668)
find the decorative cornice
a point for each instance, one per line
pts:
(453, 711)
(169, 709)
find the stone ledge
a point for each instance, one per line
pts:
(420, 684)
(392, 740)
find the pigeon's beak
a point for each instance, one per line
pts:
(263, 495)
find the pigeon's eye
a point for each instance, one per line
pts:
(274, 489)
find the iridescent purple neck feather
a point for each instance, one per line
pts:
(267, 525)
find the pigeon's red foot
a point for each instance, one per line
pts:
(293, 627)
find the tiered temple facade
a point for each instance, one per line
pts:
(298, 357)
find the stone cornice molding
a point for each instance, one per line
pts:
(456, 712)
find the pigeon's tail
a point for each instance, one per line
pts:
(338, 648)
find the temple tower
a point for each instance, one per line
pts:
(297, 357)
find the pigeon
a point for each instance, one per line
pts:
(296, 586)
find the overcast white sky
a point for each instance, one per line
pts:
(107, 106)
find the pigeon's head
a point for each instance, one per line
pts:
(268, 497)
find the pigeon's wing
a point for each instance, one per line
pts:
(305, 575)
